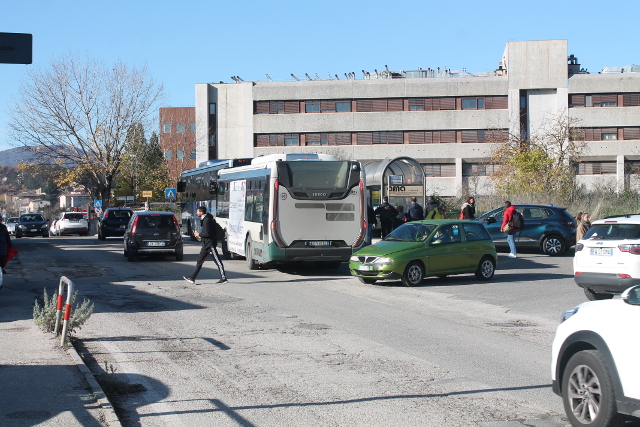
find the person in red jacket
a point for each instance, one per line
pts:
(508, 218)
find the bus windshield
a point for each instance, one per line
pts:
(319, 175)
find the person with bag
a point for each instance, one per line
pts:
(5, 244)
(508, 228)
(209, 243)
(414, 211)
(468, 209)
(437, 213)
(387, 214)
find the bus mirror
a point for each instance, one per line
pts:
(213, 187)
(181, 186)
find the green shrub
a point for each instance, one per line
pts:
(45, 316)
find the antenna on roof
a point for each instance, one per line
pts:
(330, 78)
(318, 77)
(239, 79)
(307, 74)
(270, 79)
(337, 78)
(295, 77)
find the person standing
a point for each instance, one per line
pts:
(431, 205)
(387, 214)
(437, 213)
(209, 243)
(414, 211)
(583, 226)
(5, 244)
(507, 218)
(469, 208)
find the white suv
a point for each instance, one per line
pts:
(607, 259)
(71, 223)
(594, 366)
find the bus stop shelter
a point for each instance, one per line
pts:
(399, 179)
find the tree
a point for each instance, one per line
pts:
(542, 163)
(78, 112)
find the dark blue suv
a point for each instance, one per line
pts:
(548, 228)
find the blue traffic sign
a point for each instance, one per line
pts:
(170, 193)
(97, 203)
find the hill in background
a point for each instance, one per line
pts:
(14, 156)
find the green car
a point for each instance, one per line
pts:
(419, 249)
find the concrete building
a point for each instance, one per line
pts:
(446, 120)
(75, 199)
(178, 138)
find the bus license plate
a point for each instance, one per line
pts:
(319, 243)
(364, 267)
(601, 251)
(155, 243)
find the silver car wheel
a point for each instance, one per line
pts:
(585, 395)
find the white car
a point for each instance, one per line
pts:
(594, 365)
(607, 259)
(11, 225)
(71, 223)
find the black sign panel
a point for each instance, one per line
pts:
(16, 48)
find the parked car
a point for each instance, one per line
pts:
(607, 259)
(548, 228)
(153, 233)
(419, 249)
(594, 361)
(11, 224)
(32, 224)
(114, 222)
(72, 223)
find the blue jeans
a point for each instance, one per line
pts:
(511, 240)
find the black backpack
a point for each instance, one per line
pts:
(518, 220)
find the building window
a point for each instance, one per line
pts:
(609, 136)
(212, 140)
(291, 139)
(473, 103)
(168, 155)
(212, 108)
(312, 107)
(596, 100)
(181, 128)
(343, 106)
(192, 127)
(478, 169)
(193, 154)
(597, 168)
(166, 128)
(439, 169)
(316, 139)
(180, 154)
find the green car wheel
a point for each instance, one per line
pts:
(413, 274)
(486, 268)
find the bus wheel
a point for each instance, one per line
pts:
(251, 263)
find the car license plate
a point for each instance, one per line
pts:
(319, 243)
(33, 230)
(364, 267)
(155, 243)
(601, 251)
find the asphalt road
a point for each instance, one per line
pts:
(313, 347)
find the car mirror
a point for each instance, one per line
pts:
(632, 295)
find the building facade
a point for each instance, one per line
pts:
(178, 138)
(446, 120)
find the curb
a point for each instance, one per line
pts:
(107, 409)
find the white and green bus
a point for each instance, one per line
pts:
(286, 208)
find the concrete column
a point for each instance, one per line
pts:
(620, 178)
(458, 176)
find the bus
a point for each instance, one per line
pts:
(285, 208)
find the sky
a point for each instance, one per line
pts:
(197, 41)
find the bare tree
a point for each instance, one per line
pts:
(77, 113)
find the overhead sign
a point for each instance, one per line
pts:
(127, 198)
(406, 191)
(395, 179)
(147, 194)
(170, 193)
(16, 48)
(97, 203)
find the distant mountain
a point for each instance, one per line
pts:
(14, 156)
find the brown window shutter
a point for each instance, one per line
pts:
(416, 137)
(610, 130)
(448, 170)
(448, 136)
(577, 100)
(631, 133)
(262, 107)
(416, 101)
(343, 138)
(395, 105)
(428, 104)
(327, 105)
(364, 138)
(447, 103)
(500, 102)
(273, 139)
(331, 139)
(488, 103)
(379, 138)
(469, 136)
(431, 169)
(394, 137)
(291, 107)
(597, 134)
(262, 140)
(312, 137)
(609, 98)
(280, 140)
(608, 167)
(631, 99)
(588, 134)
(363, 106)
(428, 138)
(595, 99)
(274, 106)
(481, 136)
(435, 137)
(379, 105)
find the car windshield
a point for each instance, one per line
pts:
(31, 218)
(12, 220)
(73, 216)
(411, 232)
(613, 232)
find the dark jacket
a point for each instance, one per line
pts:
(432, 205)
(386, 212)
(371, 215)
(208, 230)
(468, 211)
(5, 240)
(414, 212)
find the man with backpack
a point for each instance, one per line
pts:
(387, 213)
(209, 243)
(414, 211)
(512, 222)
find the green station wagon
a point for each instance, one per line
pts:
(419, 249)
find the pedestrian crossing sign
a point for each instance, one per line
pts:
(170, 193)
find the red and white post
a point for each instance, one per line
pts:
(68, 284)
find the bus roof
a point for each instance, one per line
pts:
(212, 165)
(293, 157)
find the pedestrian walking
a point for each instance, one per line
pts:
(371, 220)
(5, 244)
(209, 243)
(508, 228)
(430, 205)
(468, 209)
(437, 213)
(414, 211)
(387, 214)
(583, 226)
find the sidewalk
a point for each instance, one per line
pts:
(41, 383)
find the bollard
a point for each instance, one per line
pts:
(67, 311)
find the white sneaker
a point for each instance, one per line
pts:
(513, 256)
